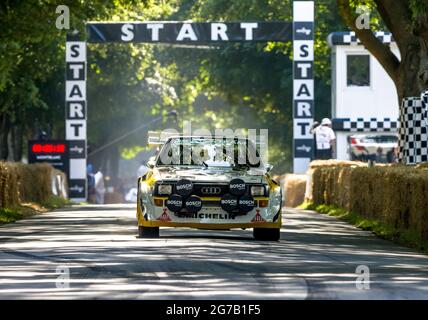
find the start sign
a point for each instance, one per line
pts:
(192, 32)
(300, 31)
(53, 152)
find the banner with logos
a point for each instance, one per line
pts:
(75, 117)
(303, 84)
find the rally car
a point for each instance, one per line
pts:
(209, 183)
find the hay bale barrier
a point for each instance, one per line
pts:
(9, 187)
(28, 183)
(294, 186)
(394, 195)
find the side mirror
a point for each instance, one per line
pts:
(268, 167)
(151, 163)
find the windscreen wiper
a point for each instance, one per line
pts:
(241, 166)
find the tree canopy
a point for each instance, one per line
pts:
(227, 86)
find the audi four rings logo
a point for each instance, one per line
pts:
(211, 190)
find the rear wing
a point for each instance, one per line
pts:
(158, 138)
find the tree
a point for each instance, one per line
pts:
(32, 61)
(407, 20)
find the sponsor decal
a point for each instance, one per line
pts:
(184, 187)
(187, 186)
(164, 216)
(76, 188)
(175, 202)
(238, 186)
(229, 201)
(214, 216)
(304, 31)
(247, 202)
(193, 203)
(258, 217)
(304, 148)
(76, 149)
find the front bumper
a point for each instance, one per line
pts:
(210, 217)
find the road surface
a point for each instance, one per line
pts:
(92, 252)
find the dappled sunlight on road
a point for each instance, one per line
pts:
(316, 258)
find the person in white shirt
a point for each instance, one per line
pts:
(324, 140)
(100, 189)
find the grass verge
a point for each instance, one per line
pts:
(8, 215)
(408, 238)
(55, 202)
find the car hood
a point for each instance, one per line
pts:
(253, 175)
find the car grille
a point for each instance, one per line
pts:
(210, 204)
(210, 190)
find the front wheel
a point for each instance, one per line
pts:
(267, 234)
(148, 232)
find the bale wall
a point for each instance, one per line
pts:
(21, 183)
(394, 194)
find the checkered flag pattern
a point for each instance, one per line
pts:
(365, 124)
(350, 38)
(424, 98)
(401, 132)
(413, 132)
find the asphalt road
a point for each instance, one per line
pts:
(92, 252)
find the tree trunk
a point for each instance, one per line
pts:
(411, 81)
(412, 75)
(4, 133)
(115, 165)
(17, 142)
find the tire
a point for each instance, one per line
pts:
(267, 234)
(148, 232)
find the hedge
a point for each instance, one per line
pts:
(396, 195)
(20, 183)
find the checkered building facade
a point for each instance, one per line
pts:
(365, 125)
(350, 38)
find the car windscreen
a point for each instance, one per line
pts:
(213, 152)
(380, 139)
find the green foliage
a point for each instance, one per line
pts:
(229, 86)
(9, 215)
(55, 202)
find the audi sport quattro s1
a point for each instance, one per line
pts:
(209, 183)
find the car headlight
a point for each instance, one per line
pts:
(257, 190)
(165, 189)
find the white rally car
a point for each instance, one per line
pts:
(209, 183)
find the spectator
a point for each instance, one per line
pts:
(91, 183)
(324, 140)
(100, 189)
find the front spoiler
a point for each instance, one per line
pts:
(155, 223)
